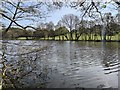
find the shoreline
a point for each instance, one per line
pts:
(67, 40)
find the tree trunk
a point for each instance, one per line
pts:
(66, 37)
(62, 37)
(54, 37)
(71, 38)
(59, 37)
(75, 35)
(78, 36)
(4, 33)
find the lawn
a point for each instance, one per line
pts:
(82, 37)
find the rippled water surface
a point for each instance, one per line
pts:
(67, 63)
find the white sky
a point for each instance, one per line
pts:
(58, 14)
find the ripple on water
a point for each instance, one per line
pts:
(70, 64)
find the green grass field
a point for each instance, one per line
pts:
(82, 37)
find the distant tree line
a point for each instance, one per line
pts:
(37, 11)
(70, 28)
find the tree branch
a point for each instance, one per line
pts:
(12, 18)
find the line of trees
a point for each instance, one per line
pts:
(71, 28)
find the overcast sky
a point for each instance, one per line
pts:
(58, 14)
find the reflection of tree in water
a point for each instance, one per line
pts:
(110, 57)
(21, 70)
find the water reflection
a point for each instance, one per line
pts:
(66, 64)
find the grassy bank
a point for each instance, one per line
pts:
(81, 38)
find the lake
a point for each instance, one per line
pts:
(62, 64)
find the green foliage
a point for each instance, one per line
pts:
(61, 31)
(103, 6)
(39, 33)
(14, 33)
(112, 29)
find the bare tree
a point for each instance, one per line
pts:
(19, 10)
(70, 21)
(92, 8)
(59, 24)
(50, 25)
(41, 25)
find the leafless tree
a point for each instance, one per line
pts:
(15, 11)
(59, 24)
(70, 21)
(50, 25)
(92, 7)
(24, 10)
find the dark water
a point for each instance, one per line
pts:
(65, 63)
